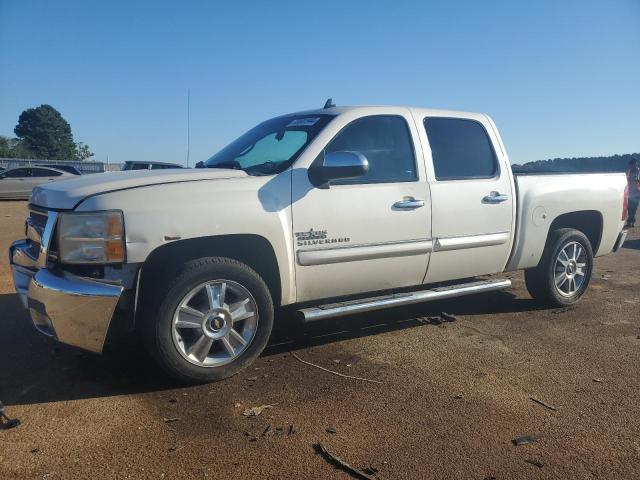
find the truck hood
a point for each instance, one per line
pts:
(66, 194)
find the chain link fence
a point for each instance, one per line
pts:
(83, 167)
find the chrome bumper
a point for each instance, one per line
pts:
(74, 310)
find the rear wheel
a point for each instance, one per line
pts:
(564, 271)
(214, 320)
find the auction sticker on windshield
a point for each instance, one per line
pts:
(303, 122)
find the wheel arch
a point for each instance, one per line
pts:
(252, 250)
(589, 222)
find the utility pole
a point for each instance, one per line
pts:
(188, 123)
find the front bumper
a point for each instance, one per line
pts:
(74, 310)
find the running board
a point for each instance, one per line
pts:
(321, 312)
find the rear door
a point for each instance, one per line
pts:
(472, 194)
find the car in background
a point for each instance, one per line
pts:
(65, 168)
(149, 165)
(17, 183)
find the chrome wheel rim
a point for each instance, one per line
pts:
(570, 270)
(215, 323)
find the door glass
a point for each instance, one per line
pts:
(460, 148)
(386, 142)
(18, 173)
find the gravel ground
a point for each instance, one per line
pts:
(452, 397)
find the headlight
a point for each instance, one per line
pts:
(96, 237)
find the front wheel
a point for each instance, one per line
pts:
(214, 320)
(564, 271)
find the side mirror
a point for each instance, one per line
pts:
(338, 165)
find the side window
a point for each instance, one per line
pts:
(18, 173)
(140, 166)
(44, 172)
(460, 148)
(386, 142)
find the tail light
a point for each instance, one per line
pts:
(625, 203)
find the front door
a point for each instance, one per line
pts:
(473, 197)
(368, 233)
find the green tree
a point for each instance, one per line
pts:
(14, 148)
(82, 152)
(45, 133)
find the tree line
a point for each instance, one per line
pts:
(43, 134)
(613, 163)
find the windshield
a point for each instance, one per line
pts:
(271, 146)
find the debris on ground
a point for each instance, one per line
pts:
(330, 430)
(34, 450)
(172, 400)
(332, 372)
(598, 380)
(438, 319)
(237, 405)
(255, 411)
(535, 463)
(252, 379)
(370, 470)
(458, 397)
(171, 420)
(337, 461)
(292, 429)
(266, 431)
(176, 448)
(337, 361)
(544, 404)
(5, 422)
(525, 440)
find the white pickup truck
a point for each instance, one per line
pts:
(333, 211)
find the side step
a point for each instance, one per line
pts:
(321, 312)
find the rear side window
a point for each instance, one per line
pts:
(385, 141)
(460, 148)
(140, 166)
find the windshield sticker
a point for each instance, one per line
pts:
(303, 122)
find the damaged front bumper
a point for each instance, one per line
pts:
(74, 310)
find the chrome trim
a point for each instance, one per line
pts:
(47, 236)
(495, 197)
(408, 204)
(77, 311)
(322, 312)
(33, 232)
(443, 244)
(354, 253)
(22, 253)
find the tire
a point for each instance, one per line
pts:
(177, 337)
(541, 280)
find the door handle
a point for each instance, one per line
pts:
(409, 204)
(495, 197)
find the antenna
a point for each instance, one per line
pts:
(188, 123)
(329, 103)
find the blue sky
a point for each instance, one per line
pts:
(560, 78)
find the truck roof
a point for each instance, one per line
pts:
(371, 109)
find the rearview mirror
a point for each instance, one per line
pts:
(339, 165)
